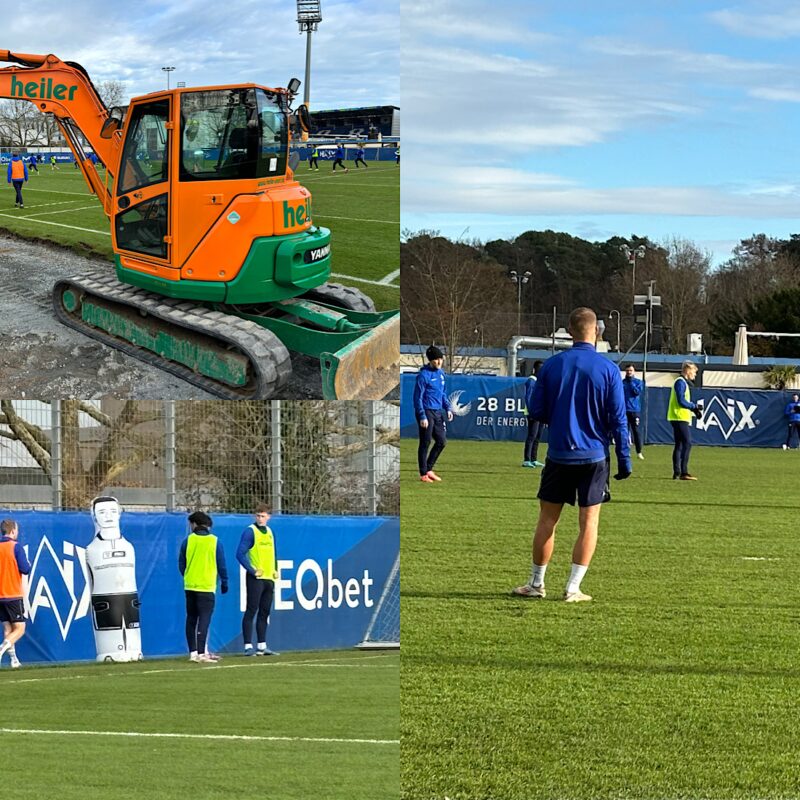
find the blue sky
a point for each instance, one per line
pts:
(602, 118)
(355, 51)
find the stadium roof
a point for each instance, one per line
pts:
(361, 108)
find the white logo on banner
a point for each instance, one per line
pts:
(459, 409)
(40, 594)
(323, 589)
(730, 416)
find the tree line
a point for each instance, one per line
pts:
(459, 293)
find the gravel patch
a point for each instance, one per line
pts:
(41, 358)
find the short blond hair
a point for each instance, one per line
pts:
(583, 321)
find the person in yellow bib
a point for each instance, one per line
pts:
(256, 553)
(679, 413)
(201, 562)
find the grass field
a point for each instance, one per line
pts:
(321, 725)
(679, 680)
(361, 207)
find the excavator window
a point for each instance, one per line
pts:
(232, 134)
(145, 157)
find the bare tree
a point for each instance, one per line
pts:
(112, 93)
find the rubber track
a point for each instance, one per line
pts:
(344, 296)
(270, 363)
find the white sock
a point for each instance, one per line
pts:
(537, 574)
(575, 578)
(193, 654)
(262, 646)
(13, 651)
(248, 646)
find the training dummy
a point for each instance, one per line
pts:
(111, 564)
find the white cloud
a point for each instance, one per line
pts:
(783, 25)
(776, 94)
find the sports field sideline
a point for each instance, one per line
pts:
(679, 680)
(361, 207)
(322, 724)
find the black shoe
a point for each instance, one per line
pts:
(675, 475)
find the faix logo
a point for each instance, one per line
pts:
(728, 415)
(458, 408)
(52, 585)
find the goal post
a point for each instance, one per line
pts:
(383, 631)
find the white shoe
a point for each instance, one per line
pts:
(15, 664)
(194, 657)
(784, 447)
(526, 590)
(207, 658)
(641, 456)
(576, 597)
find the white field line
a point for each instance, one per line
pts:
(62, 211)
(56, 191)
(46, 205)
(200, 668)
(58, 224)
(364, 280)
(358, 219)
(390, 277)
(220, 736)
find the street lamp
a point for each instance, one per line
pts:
(520, 279)
(168, 70)
(611, 314)
(632, 255)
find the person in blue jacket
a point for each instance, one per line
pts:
(579, 395)
(360, 156)
(633, 389)
(433, 411)
(530, 455)
(792, 414)
(338, 157)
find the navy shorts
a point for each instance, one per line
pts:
(12, 610)
(561, 483)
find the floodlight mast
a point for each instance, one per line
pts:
(309, 15)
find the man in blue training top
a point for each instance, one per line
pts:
(792, 414)
(633, 389)
(679, 413)
(530, 456)
(201, 561)
(579, 395)
(338, 157)
(431, 406)
(360, 156)
(256, 553)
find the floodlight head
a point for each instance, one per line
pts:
(294, 85)
(309, 14)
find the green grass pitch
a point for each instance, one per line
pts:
(334, 717)
(679, 680)
(361, 207)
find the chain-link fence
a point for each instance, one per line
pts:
(301, 457)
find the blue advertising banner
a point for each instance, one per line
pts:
(331, 574)
(484, 407)
(492, 408)
(731, 418)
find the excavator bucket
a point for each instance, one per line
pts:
(365, 369)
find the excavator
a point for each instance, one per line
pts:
(219, 270)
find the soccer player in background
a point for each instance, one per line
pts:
(256, 553)
(13, 565)
(633, 388)
(530, 455)
(360, 156)
(313, 163)
(338, 157)
(579, 395)
(792, 414)
(433, 411)
(679, 414)
(201, 562)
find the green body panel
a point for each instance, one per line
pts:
(223, 366)
(274, 269)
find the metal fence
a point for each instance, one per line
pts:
(301, 457)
